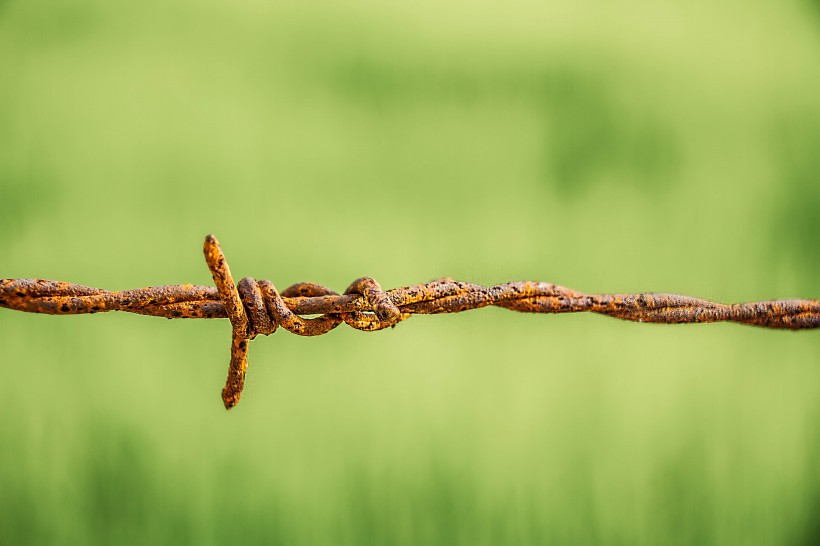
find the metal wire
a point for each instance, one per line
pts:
(256, 307)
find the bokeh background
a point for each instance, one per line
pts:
(608, 147)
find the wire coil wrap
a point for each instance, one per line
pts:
(257, 307)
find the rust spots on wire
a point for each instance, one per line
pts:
(256, 307)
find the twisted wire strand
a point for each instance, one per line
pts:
(256, 307)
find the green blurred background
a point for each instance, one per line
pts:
(608, 147)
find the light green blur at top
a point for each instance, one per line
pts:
(609, 147)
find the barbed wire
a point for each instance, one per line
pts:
(256, 307)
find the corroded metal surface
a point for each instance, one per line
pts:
(256, 307)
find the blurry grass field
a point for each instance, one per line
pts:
(668, 147)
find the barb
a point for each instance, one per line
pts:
(256, 307)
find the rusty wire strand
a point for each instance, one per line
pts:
(256, 307)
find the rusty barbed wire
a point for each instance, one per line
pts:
(256, 307)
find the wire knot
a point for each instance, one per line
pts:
(256, 307)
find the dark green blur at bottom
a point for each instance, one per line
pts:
(644, 147)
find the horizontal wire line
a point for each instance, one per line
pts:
(256, 307)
